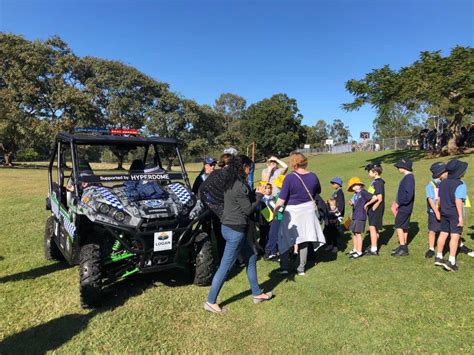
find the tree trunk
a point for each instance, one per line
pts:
(170, 164)
(120, 162)
(455, 132)
(9, 158)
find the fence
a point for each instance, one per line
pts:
(396, 143)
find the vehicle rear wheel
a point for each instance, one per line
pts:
(51, 249)
(90, 275)
(204, 265)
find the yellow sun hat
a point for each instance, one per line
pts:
(354, 181)
(279, 181)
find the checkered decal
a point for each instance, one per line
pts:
(181, 192)
(54, 206)
(68, 225)
(110, 198)
(63, 217)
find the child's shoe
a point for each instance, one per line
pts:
(429, 254)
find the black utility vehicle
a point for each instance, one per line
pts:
(114, 222)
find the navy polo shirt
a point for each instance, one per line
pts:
(447, 197)
(406, 194)
(377, 187)
(359, 200)
(338, 195)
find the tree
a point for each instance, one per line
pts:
(339, 132)
(432, 85)
(274, 124)
(317, 134)
(124, 96)
(230, 107)
(398, 122)
(38, 82)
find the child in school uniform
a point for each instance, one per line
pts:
(439, 173)
(376, 210)
(338, 194)
(263, 223)
(404, 205)
(452, 196)
(271, 249)
(331, 229)
(359, 202)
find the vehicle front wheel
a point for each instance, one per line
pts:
(51, 249)
(204, 264)
(90, 275)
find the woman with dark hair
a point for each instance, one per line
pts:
(238, 207)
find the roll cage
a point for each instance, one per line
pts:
(71, 141)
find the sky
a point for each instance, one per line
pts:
(255, 49)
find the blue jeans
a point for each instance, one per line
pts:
(235, 242)
(272, 244)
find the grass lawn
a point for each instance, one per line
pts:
(370, 305)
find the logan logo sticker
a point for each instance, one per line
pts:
(153, 203)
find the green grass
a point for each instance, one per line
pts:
(379, 304)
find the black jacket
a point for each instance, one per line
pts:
(239, 205)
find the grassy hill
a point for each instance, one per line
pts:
(375, 304)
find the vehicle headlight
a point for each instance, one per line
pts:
(119, 216)
(104, 208)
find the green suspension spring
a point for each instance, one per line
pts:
(116, 246)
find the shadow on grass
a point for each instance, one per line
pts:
(34, 273)
(384, 237)
(268, 285)
(394, 156)
(56, 332)
(413, 231)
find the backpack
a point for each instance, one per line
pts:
(211, 192)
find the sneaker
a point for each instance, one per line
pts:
(282, 272)
(372, 253)
(357, 255)
(300, 273)
(334, 250)
(269, 257)
(439, 262)
(352, 252)
(402, 251)
(429, 254)
(465, 250)
(450, 267)
(396, 249)
(471, 254)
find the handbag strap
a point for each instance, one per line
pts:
(311, 197)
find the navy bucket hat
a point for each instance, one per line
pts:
(404, 164)
(437, 169)
(456, 168)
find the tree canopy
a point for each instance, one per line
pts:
(432, 86)
(275, 124)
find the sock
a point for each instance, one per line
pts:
(461, 245)
(373, 249)
(439, 255)
(452, 260)
(432, 249)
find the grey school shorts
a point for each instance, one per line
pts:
(357, 226)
